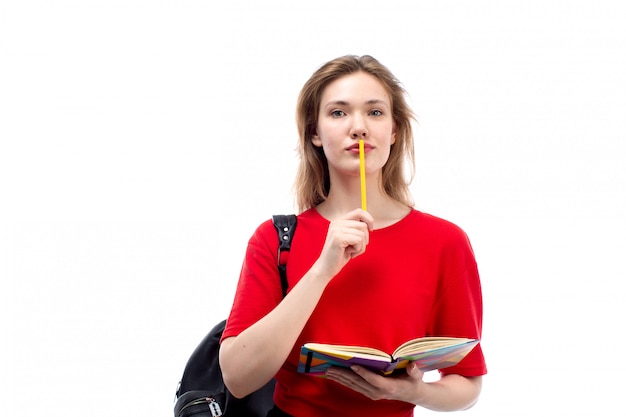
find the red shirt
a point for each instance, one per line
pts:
(417, 277)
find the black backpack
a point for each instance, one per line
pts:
(201, 391)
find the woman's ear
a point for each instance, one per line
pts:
(393, 134)
(315, 139)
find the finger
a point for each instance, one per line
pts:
(351, 380)
(362, 216)
(370, 377)
(414, 371)
(361, 229)
(355, 241)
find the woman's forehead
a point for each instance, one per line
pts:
(355, 88)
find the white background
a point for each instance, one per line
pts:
(143, 141)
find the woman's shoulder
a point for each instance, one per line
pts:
(266, 229)
(433, 224)
(434, 220)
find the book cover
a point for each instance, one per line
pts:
(430, 353)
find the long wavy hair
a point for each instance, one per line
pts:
(312, 183)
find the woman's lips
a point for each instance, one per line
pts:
(355, 148)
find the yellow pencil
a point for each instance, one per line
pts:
(362, 166)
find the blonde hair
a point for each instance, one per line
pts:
(312, 183)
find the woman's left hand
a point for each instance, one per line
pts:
(403, 387)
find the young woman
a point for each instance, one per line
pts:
(372, 278)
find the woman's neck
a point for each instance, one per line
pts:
(346, 196)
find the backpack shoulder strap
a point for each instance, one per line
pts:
(285, 225)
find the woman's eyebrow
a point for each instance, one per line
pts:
(345, 103)
(377, 102)
(337, 103)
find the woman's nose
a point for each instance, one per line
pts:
(360, 133)
(358, 129)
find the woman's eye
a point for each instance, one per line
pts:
(376, 113)
(337, 113)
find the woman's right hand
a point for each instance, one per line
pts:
(347, 238)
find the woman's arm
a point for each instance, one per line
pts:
(253, 357)
(451, 393)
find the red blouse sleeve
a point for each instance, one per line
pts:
(458, 310)
(258, 289)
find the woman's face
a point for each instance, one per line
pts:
(355, 106)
